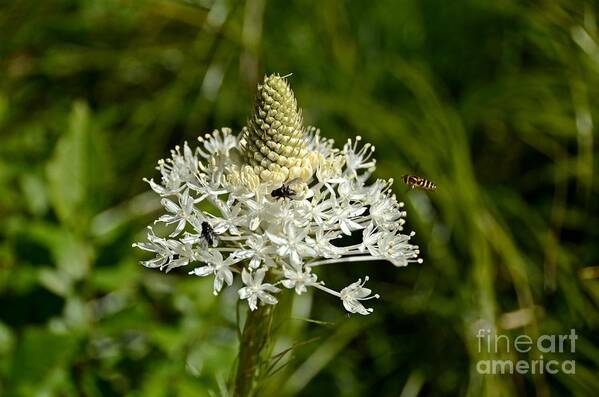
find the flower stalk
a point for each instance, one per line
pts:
(254, 350)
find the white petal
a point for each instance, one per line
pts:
(177, 263)
(156, 187)
(167, 218)
(399, 262)
(294, 258)
(147, 247)
(254, 223)
(362, 292)
(244, 292)
(255, 262)
(156, 262)
(354, 225)
(220, 228)
(276, 239)
(202, 271)
(345, 229)
(270, 288)
(267, 298)
(306, 250)
(252, 302)
(169, 205)
(218, 284)
(228, 276)
(259, 276)
(246, 276)
(359, 211)
(179, 228)
(353, 306)
(184, 198)
(288, 283)
(300, 289)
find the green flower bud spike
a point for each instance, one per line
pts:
(273, 142)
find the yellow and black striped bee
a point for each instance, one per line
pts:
(417, 181)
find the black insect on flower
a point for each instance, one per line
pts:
(208, 233)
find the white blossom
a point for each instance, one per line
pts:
(322, 243)
(159, 246)
(180, 213)
(370, 238)
(345, 217)
(223, 217)
(353, 294)
(220, 267)
(360, 159)
(255, 289)
(298, 279)
(291, 242)
(258, 251)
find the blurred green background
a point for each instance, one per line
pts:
(494, 101)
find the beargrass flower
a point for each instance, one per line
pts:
(284, 201)
(255, 289)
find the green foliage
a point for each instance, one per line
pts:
(495, 102)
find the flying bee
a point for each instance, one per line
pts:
(208, 233)
(417, 181)
(285, 191)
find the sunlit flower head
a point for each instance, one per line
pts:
(283, 201)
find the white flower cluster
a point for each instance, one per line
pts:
(249, 231)
(274, 204)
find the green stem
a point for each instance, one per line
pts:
(253, 350)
